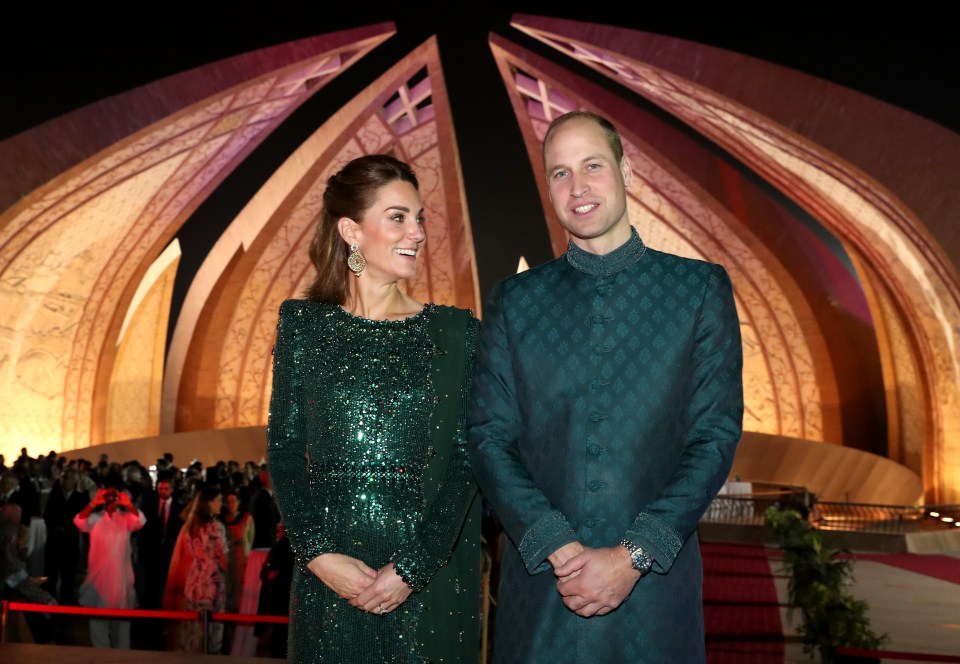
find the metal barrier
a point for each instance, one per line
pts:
(750, 508)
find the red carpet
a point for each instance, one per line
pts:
(741, 610)
(945, 568)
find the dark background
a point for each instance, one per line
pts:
(55, 60)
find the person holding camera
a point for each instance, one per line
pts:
(110, 518)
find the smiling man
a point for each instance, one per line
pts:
(606, 410)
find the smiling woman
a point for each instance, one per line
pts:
(389, 236)
(369, 385)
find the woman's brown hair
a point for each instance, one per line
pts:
(350, 192)
(202, 512)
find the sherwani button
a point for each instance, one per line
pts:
(596, 485)
(595, 417)
(595, 449)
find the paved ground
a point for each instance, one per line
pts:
(919, 613)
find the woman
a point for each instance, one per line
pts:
(203, 541)
(365, 439)
(239, 527)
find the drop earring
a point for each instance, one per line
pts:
(355, 261)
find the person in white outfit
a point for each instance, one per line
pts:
(109, 518)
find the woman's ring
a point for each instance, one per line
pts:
(382, 610)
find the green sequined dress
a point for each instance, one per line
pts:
(368, 458)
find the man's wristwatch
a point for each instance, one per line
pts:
(639, 559)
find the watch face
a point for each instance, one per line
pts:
(644, 564)
(641, 561)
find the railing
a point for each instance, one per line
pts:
(749, 509)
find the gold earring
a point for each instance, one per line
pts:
(355, 261)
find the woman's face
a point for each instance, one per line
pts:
(215, 505)
(232, 503)
(391, 234)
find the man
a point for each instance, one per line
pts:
(16, 584)
(263, 509)
(276, 577)
(109, 518)
(15, 488)
(62, 556)
(155, 542)
(606, 410)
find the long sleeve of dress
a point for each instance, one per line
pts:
(714, 419)
(443, 519)
(287, 446)
(493, 429)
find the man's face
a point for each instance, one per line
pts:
(69, 481)
(164, 490)
(587, 186)
(8, 483)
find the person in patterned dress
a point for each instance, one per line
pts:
(203, 540)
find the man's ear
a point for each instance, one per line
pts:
(626, 170)
(348, 229)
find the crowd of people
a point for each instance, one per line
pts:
(122, 535)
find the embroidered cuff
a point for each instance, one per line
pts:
(657, 537)
(545, 536)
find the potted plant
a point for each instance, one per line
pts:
(820, 578)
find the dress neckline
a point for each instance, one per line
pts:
(386, 321)
(605, 265)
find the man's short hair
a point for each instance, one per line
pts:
(613, 136)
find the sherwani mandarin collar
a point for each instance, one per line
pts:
(605, 265)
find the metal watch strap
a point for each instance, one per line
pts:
(639, 559)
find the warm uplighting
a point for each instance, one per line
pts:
(947, 519)
(935, 514)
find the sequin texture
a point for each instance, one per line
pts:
(350, 443)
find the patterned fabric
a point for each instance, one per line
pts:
(367, 449)
(607, 404)
(240, 540)
(204, 587)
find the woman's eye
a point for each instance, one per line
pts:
(421, 220)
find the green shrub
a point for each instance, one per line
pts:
(820, 578)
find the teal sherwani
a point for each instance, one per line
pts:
(607, 404)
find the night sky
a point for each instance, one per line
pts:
(53, 61)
